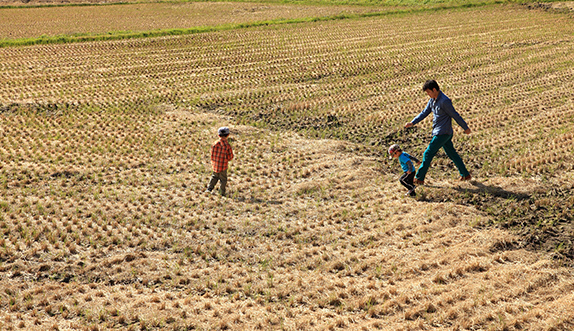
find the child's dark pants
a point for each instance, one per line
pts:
(407, 180)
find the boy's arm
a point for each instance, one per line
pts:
(230, 154)
(212, 152)
(411, 167)
(415, 159)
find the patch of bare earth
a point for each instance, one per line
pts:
(557, 6)
(315, 234)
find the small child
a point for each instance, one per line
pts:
(221, 154)
(408, 167)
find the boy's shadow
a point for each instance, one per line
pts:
(256, 200)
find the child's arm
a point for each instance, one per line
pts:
(230, 154)
(411, 167)
(415, 159)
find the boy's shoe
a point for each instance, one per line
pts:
(208, 191)
(411, 193)
(469, 177)
(418, 181)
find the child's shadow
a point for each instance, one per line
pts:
(256, 200)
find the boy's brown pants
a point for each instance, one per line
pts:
(218, 176)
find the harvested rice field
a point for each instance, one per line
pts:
(342, 79)
(138, 17)
(104, 162)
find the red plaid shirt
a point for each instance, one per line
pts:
(221, 153)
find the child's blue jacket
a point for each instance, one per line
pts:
(406, 163)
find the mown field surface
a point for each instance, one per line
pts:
(104, 160)
(356, 80)
(379, 3)
(105, 225)
(96, 20)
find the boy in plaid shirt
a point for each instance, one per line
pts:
(221, 154)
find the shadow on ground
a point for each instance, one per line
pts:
(542, 217)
